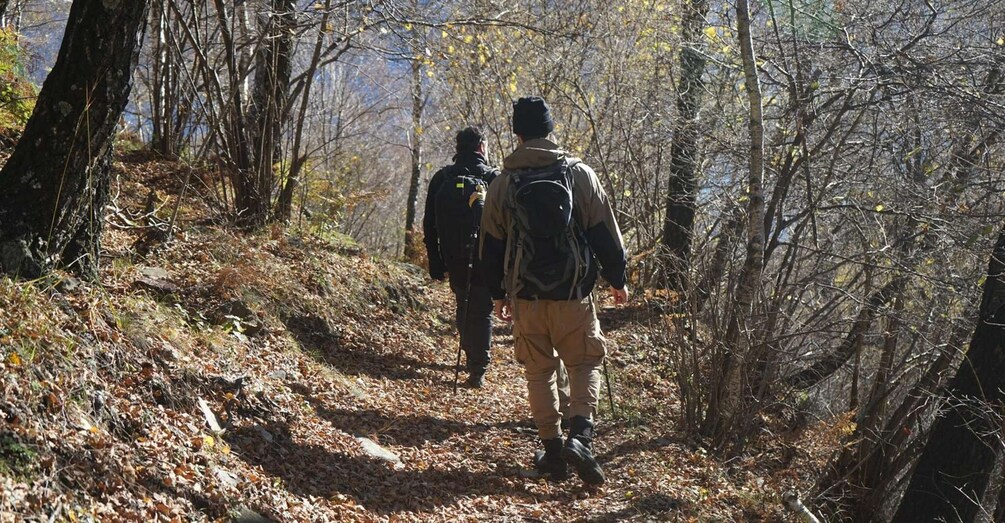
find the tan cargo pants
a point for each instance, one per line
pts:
(546, 331)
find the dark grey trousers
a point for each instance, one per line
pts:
(476, 330)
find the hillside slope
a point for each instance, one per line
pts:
(329, 374)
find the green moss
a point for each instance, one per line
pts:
(16, 459)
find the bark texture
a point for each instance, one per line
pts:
(678, 226)
(54, 187)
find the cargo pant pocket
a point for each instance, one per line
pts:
(596, 347)
(521, 350)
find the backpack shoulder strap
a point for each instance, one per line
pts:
(570, 179)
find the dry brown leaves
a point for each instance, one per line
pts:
(101, 388)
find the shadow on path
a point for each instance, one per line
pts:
(325, 344)
(633, 446)
(312, 470)
(654, 507)
(407, 430)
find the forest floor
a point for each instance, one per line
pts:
(228, 376)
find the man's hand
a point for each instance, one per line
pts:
(477, 196)
(620, 295)
(503, 311)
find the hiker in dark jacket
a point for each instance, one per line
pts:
(453, 211)
(550, 300)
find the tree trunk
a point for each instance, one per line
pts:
(236, 137)
(678, 225)
(726, 397)
(284, 206)
(411, 247)
(160, 113)
(54, 187)
(956, 466)
(268, 107)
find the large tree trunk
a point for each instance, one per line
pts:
(956, 466)
(55, 185)
(683, 188)
(255, 172)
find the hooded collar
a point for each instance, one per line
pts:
(539, 152)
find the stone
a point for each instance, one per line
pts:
(375, 450)
(226, 478)
(155, 279)
(155, 272)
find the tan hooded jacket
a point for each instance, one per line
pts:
(592, 210)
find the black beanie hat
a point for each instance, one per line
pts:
(531, 118)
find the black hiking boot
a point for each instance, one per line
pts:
(476, 381)
(578, 452)
(549, 462)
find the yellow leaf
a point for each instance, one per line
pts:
(879, 208)
(14, 359)
(710, 33)
(208, 441)
(408, 27)
(1000, 41)
(468, 39)
(443, 34)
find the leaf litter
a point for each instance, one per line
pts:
(301, 379)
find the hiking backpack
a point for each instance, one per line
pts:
(457, 219)
(547, 253)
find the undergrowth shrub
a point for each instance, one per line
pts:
(17, 93)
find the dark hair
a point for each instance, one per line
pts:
(468, 139)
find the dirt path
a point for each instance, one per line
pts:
(461, 456)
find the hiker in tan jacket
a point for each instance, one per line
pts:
(547, 223)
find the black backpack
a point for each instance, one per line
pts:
(547, 253)
(456, 219)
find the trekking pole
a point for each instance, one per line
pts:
(467, 305)
(610, 395)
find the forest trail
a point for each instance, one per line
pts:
(229, 377)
